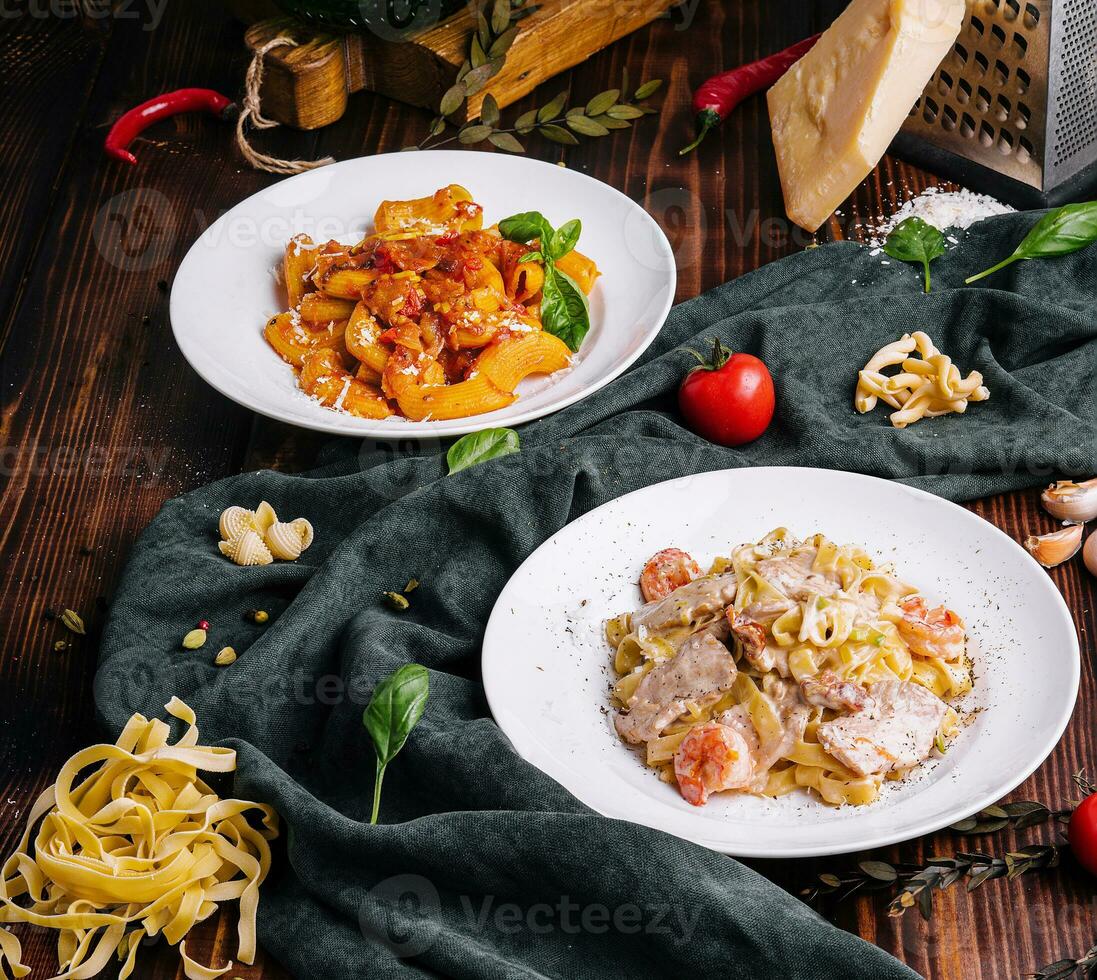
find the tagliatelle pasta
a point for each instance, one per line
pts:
(138, 847)
(792, 664)
(925, 387)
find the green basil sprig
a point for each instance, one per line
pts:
(479, 447)
(393, 711)
(1059, 232)
(914, 240)
(565, 312)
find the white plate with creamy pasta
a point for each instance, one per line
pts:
(829, 662)
(235, 291)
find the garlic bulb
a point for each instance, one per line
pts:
(1089, 554)
(284, 541)
(247, 549)
(304, 528)
(1055, 548)
(235, 521)
(1070, 501)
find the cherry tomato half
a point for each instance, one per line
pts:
(729, 401)
(1082, 833)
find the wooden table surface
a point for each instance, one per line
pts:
(103, 421)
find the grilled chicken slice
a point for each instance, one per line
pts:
(827, 690)
(706, 596)
(702, 671)
(896, 731)
(795, 577)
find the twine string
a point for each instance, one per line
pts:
(251, 112)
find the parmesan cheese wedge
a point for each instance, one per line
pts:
(836, 110)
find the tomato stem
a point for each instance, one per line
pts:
(720, 356)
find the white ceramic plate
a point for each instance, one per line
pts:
(225, 288)
(547, 673)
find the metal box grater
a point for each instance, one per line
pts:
(1012, 110)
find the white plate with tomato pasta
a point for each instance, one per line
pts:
(782, 662)
(422, 294)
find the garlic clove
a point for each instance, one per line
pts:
(284, 541)
(248, 549)
(304, 528)
(1055, 548)
(1070, 501)
(1089, 554)
(234, 521)
(264, 517)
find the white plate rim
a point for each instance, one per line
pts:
(363, 428)
(517, 736)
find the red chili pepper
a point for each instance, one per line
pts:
(131, 124)
(715, 99)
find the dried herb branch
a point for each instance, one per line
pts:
(497, 24)
(556, 120)
(1019, 816)
(1085, 967)
(919, 882)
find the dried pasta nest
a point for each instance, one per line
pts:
(257, 537)
(131, 843)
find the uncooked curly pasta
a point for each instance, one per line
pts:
(257, 537)
(139, 847)
(925, 386)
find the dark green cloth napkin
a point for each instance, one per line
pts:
(482, 866)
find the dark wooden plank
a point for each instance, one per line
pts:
(98, 438)
(49, 69)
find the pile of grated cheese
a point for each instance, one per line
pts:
(942, 209)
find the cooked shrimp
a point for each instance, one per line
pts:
(935, 632)
(752, 641)
(666, 571)
(710, 759)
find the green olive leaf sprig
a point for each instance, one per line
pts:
(479, 447)
(496, 28)
(557, 120)
(394, 710)
(1060, 232)
(565, 312)
(918, 882)
(1084, 966)
(914, 240)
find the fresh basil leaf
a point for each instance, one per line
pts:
(532, 257)
(914, 240)
(525, 227)
(1060, 232)
(565, 312)
(393, 711)
(564, 239)
(479, 447)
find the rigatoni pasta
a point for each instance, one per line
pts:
(430, 317)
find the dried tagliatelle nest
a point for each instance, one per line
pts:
(136, 847)
(924, 387)
(257, 537)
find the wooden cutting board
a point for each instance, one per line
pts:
(307, 86)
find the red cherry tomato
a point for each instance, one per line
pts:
(729, 401)
(1082, 833)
